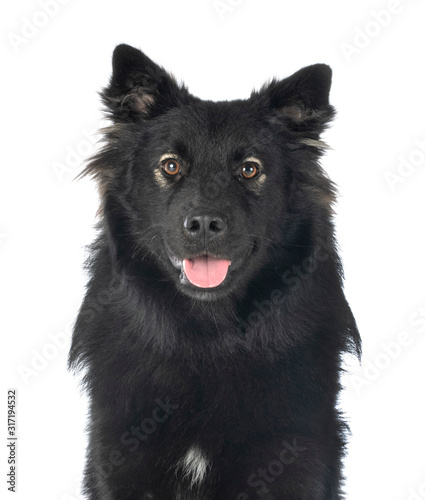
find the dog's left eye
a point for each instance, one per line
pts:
(171, 166)
(249, 170)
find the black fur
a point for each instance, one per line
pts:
(244, 374)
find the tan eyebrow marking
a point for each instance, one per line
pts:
(254, 160)
(168, 155)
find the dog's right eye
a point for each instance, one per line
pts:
(249, 170)
(170, 166)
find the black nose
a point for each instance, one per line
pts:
(204, 227)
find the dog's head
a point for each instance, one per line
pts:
(208, 193)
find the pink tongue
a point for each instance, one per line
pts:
(206, 271)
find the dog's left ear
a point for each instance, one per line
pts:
(303, 98)
(139, 88)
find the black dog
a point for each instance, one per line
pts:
(214, 322)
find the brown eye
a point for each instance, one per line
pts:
(249, 170)
(171, 166)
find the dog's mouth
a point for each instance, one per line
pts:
(209, 276)
(202, 271)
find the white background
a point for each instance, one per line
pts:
(52, 67)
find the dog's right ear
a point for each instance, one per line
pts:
(139, 88)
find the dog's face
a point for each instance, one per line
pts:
(209, 191)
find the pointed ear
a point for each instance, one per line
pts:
(303, 98)
(139, 88)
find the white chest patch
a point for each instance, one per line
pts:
(194, 465)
